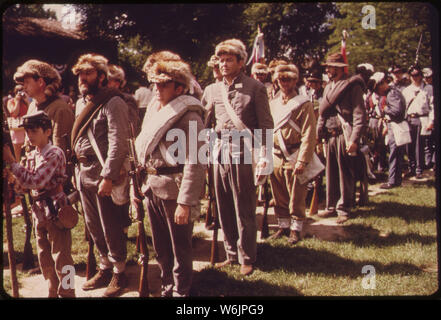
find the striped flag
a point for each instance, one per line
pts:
(258, 52)
(343, 50)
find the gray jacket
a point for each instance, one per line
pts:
(186, 187)
(110, 129)
(249, 99)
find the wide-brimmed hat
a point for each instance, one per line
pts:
(232, 46)
(91, 61)
(335, 60)
(286, 71)
(259, 68)
(170, 70)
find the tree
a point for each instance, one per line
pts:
(28, 10)
(394, 38)
(297, 30)
(191, 30)
(294, 30)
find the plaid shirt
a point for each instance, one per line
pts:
(45, 170)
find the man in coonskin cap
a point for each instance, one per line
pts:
(273, 90)
(295, 132)
(240, 95)
(42, 83)
(417, 112)
(44, 174)
(174, 185)
(99, 140)
(341, 122)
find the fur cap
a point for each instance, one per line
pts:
(232, 46)
(259, 68)
(91, 61)
(117, 73)
(171, 70)
(286, 71)
(157, 56)
(36, 68)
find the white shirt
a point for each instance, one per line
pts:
(418, 99)
(143, 95)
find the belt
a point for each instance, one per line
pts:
(165, 170)
(413, 115)
(335, 132)
(84, 159)
(289, 147)
(43, 194)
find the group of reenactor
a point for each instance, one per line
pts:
(95, 139)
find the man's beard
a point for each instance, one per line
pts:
(91, 87)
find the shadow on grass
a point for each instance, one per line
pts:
(387, 209)
(362, 235)
(214, 283)
(306, 261)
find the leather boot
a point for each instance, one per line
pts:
(116, 285)
(99, 280)
(279, 234)
(294, 237)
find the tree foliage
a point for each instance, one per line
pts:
(28, 10)
(193, 30)
(296, 31)
(398, 27)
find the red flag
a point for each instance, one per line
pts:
(343, 50)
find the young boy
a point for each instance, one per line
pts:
(44, 174)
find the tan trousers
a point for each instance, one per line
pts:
(54, 252)
(288, 193)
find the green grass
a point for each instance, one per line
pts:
(396, 233)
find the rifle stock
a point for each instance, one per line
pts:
(143, 260)
(313, 209)
(264, 230)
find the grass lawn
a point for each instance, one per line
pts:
(395, 236)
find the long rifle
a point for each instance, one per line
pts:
(8, 198)
(418, 50)
(264, 230)
(28, 255)
(214, 217)
(143, 288)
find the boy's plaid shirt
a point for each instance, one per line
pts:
(44, 170)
